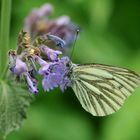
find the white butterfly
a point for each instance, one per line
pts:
(102, 89)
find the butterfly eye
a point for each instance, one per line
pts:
(67, 65)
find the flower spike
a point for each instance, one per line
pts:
(41, 47)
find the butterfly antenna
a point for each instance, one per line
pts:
(77, 32)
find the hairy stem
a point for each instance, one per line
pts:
(4, 33)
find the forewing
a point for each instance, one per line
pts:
(102, 89)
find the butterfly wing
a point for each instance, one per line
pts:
(102, 89)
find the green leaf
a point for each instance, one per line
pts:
(14, 101)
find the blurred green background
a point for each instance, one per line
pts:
(110, 34)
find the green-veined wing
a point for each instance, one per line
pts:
(102, 89)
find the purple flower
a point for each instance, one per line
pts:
(51, 81)
(52, 54)
(65, 83)
(19, 67)
(57, 76)
(44, 69)
(45, 10)
(31, 85)
(39, 60)
(44, 65)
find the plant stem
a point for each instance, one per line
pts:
(4, 74)
(4, 33)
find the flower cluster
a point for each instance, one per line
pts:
(19, 68)
(29, 60)
(54, 73)
(38, 51)
(38, 23)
